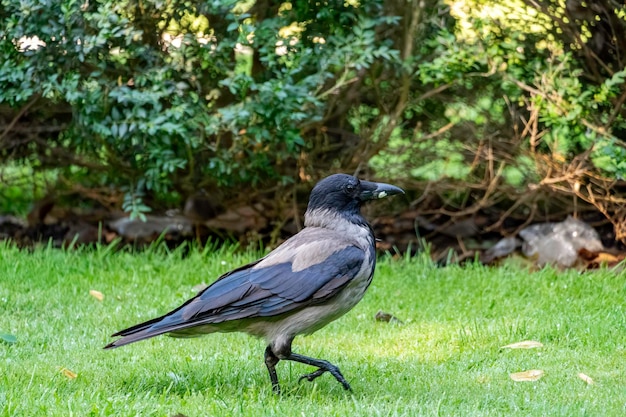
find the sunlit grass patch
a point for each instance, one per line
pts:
(446, 358)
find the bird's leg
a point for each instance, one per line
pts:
(324, 366)
(270, 361)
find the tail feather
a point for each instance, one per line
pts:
(146, 334)
(138, 327)
(160, 325)
(137, 332)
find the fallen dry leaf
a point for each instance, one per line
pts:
(530, 375)
(526, 344)
(96, 294)
(389, 318)
(606, 258)
(68, 374)
(109, 236)
(585, 378)
(596, 259)
(586, 254)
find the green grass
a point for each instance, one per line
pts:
(445, 360)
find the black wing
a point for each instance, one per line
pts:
(257, 290)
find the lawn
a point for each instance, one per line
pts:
(445, 359)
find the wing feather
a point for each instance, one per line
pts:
(265, 288)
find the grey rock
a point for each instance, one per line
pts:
(134, 229)
(559, 243)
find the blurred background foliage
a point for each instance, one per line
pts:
(474, 105)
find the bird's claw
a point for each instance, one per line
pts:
(345, 385)
(335, 372)
(310, 377)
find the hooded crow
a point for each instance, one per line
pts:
(311, 279)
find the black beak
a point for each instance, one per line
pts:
(375, 190)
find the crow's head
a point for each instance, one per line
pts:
(345, 193)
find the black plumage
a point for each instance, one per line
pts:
(310, 280)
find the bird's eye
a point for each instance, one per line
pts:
(350, 188)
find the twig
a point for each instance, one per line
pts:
(616, 111)
(17, 117)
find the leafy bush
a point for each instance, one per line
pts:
(155, 97)
(519, 104)
(489, 101)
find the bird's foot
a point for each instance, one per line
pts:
(276, 388)
(334, 371)
(310, 377)
(323, 366)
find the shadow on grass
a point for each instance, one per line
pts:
(227, 380)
